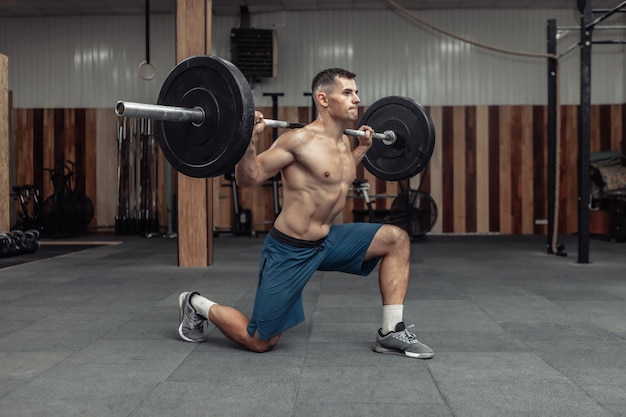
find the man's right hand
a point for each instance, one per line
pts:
(259, 126)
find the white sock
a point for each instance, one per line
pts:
(201, 305)
(392, 315)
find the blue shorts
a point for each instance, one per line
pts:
(287, 264)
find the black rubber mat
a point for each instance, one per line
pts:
(46, 250)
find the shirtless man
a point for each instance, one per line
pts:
(318, 165)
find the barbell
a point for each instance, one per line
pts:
(197, 116)
(205, 117)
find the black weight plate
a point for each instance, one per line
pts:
(221, 90)
(415, 142)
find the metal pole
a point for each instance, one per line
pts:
(584, 132)
(552, 131)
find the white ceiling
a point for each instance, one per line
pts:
(33, 8)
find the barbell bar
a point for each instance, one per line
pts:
(197, 116)
(204, 117)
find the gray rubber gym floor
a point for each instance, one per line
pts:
(516, 332)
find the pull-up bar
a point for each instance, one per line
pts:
(605, 16)
(620, 27)
(607, 42)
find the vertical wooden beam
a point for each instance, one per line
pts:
(459, 172)
(505, 161)
(4, 145)
(195, 195)
(540, 168)
(48, 150)
(482, 169)
(526, 173)
(90, 168)
(494, 169)
(446, 208)
(470, 169)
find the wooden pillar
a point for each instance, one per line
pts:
(195, 195)
(5, 198)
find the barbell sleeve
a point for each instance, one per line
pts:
(388, 137)
(196, 116)
(160, 112)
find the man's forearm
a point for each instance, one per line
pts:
(246, 170)
(359, 153)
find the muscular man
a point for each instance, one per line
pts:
(318, 165)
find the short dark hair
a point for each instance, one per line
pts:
(326, 78)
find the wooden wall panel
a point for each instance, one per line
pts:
(48, 151)
(526, 172)
(487, 172)
(459, 173)
(24, 169)
(568, 189)
(621, 119)
(504, 141)
(101, 168)
(482, 169)
(494, 169)
(446, 209)
(38, 148)
(435, 167)
(514, 141)
(540, 167)
(5, 148)
(600, 129)
(616, 127)
(91, 158)
(470, 169)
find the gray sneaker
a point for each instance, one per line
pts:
(191, 324)
(402, 341)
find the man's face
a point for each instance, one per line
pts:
(343, 100)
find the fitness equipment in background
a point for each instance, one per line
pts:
(414, 211)
(68, 211)
(137, 181)
(29, 208)
(242, 217)
(19, 242)
(361, 188)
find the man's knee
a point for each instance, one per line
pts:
(264, 345)
(396, 236)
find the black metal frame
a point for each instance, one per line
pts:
(588, 21)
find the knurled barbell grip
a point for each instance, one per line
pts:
(281, 124)
(388, 137)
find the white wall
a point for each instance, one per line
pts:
(92, 61)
